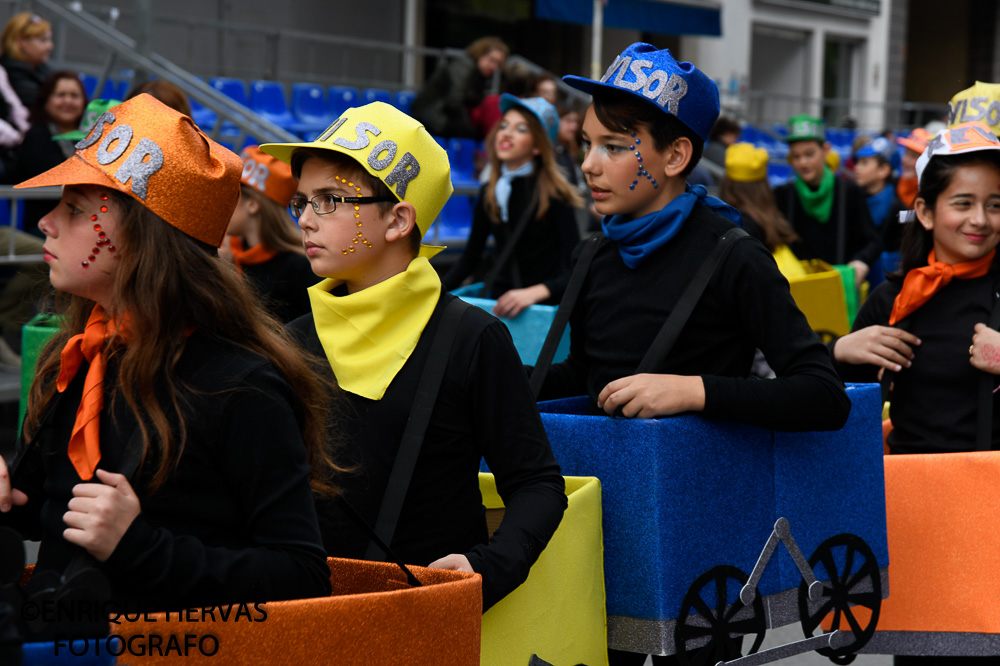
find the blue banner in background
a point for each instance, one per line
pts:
(664, 18)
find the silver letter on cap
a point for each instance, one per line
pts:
(611, 70)
(139, 171)
(640, 76)
(378, 164)
(406, 169)
(362, 138)
(96, 131)
(671, 93)
(124, 135)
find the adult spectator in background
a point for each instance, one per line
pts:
(544, 85)
(13, 125)
(445, 103)
(25, 45)
(58, 109)
(166, 92)
(725, 132)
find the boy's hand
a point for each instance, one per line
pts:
(882, 346)
(9, 496)
(100, 513)
(452, 562)
(515, 301)
(985, 350)
(646, 396)
(860, 271)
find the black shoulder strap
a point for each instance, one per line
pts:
(508, 249)
(566, 306)
(984, 413)
(363, 524)
(672, 327)
(416, 426)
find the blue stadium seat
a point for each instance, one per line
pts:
(461, 153)
(267, 99)
(309, 108)
(113, 89)
(404, 100)
(235, 90)
(778, 173)
(341, 98)
(369, 95)
(454, 222)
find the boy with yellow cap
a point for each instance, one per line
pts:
(369, 187)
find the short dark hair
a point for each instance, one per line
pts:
(724, 125)
(622, 112)
(357, 173)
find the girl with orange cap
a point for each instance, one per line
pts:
(172, 432)
(262, 240)
(928, 326)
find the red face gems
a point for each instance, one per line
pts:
(102, 238)
(360, 237)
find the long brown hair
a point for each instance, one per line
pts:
(757, 200)
(552, 184)
(169, 283)
(277, 230)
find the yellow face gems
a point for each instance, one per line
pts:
(360, 238)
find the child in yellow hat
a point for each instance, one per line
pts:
(172, 431)
(369, 188)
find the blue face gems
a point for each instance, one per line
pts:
(642, 170)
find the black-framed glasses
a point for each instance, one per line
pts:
(324, 204)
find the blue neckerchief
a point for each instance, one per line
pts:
(502, 189)
(639, 238)
(879, 205)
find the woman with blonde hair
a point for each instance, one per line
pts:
(745, 187)
(25, 45)
(528, 203)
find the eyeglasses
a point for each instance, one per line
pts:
(324, 204)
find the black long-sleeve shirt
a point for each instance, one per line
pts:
(282, 283)
(234, 522)
(484, 410)
(746, 305)
(543, 252)
(934, 401)
(819, 240)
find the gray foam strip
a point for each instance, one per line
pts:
(782, 651)
(933, 644)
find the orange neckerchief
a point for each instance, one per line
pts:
(921, 284)
(906, 190)
(84, 444)
(258, 254)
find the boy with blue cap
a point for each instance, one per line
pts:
(369, 188)
(828, 213)
(644, 132)
(873, 173)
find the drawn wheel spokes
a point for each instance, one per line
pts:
(852, 591)
(710, 630)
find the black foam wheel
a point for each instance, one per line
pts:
(850, 580)
(709, 629)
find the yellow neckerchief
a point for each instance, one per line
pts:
(369, 335)
(788, 263)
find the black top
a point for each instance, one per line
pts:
(543, 252)
(282, 283)
(37, 154)
(446, 99)
(746, 305)
(484, 410)
(819, 240)
(933, 402)
(25, 79)
(234, 522)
